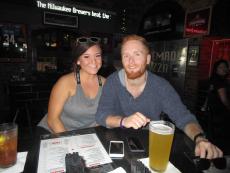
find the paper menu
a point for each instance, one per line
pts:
(53, 151)
(90, 147)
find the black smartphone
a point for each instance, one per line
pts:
(135, 144)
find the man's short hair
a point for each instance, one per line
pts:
(138, 38)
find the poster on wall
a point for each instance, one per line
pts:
(197, 23)
(193, 55)
(13, 42)
(220, 51)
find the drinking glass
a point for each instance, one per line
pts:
(160, 141)
(8, 144)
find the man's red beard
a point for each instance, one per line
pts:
(134, 75)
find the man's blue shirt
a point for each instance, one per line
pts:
(158, 96)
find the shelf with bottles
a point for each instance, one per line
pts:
(53, 38)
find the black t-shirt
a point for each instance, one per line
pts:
(215, 102)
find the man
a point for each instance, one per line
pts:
(133, 96)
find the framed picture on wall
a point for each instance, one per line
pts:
(193, 55)
(197, 23)
(13, 42)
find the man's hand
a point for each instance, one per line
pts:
(136, 121)
(203, 148)
(206, 149)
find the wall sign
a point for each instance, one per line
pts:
(197, 23)
(60, 19)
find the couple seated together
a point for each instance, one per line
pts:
(129, 98)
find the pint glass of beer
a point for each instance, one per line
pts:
(8, 144)
(160, 141)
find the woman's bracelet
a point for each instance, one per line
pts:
(121, 123)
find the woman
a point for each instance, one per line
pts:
(219, 94)
(74, 98)
(219, 105)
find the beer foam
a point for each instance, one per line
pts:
(161, 129)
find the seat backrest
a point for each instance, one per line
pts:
(21, 93)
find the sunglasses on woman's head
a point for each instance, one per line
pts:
(204, 164)
(88, 40)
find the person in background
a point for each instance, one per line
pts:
(133, 96)
(74, 97)
(219, 86)
(219, 103)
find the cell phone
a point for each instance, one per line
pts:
(135, 144)
(116, 149)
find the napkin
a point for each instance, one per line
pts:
(170, 168)
(19, 166)
(118, 170)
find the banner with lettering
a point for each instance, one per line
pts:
(169, 61)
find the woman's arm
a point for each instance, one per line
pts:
(58, 97)
(223, 97)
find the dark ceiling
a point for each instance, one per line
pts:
(134, 9)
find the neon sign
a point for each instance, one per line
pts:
(197, 23)
(85, 11)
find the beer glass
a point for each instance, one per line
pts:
(8, 144)
(160, 141)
